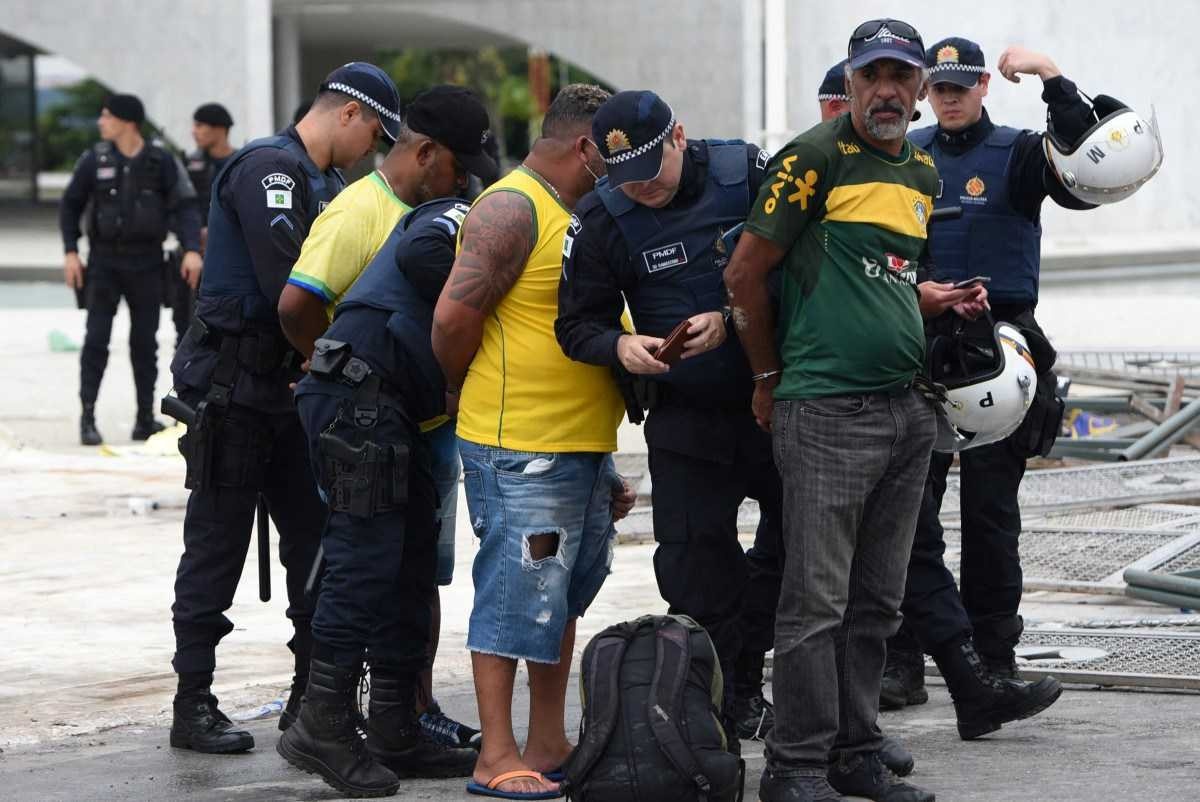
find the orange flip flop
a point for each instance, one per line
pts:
(491, 789)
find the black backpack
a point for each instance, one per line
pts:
(651, 729)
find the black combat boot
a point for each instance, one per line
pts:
(198, 724)
(328, 739)
(396, 738)
(301, 646)
(865, 775)
(896, 757)
(89, 435)
(291, 711)
(983, 703)
(903, 680)
(145, 425)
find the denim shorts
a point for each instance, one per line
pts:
(522, 605)
(443, 449)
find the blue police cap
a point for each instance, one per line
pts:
(630, 129)
(833, 86)
(955, 60)
(368, 84)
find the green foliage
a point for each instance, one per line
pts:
(499, 75)
(68, 128)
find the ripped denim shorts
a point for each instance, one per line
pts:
(544, 523)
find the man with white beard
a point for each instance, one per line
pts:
(844, 209)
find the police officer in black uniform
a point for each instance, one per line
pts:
(134, 189)
(1000, 177)
(233, 371)
(657, 233)
(210, 130)
(373, 377)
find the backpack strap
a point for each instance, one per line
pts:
(672, 660)
(601, 672)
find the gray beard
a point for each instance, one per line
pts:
(887, 132)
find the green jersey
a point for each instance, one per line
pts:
(853, 222)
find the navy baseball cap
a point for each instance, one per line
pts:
(629, 129)
(454, 116)
(956, 61)
(885, 38)
(833, 86)
(368, 84)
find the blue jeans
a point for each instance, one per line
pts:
(522, 604)
(853, 470)
(443, 451)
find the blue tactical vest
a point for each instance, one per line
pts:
(229, 294)
(991, 238)
(384, 285)
(679, 256)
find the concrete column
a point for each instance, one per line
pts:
(775, 36)
(288, 93)
(752, 71)
(259, 89)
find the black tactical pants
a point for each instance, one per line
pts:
(700, 566)
(253, 453)
(935, 610)
(380, 575)
(139, 280)
(178, 297)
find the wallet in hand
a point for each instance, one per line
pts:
(672, 345)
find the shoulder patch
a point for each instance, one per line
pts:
(282, 180)
(763, 157)
(457, 212)
(573, 229)
(279, 198)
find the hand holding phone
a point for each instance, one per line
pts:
(971, 282)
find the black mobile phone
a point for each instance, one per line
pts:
(971, 282)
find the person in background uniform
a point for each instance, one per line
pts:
(234, 368)
(657, 232)
(831, 94)
(536, 432)
(136, 192)
(1000, 177)
(210, 131)
(381, 543)
(839, 390)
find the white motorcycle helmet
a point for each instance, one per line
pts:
(989, 386)
(1110, 162)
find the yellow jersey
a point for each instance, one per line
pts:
(521, 392)
(345, 237)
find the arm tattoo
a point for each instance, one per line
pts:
(497, 239)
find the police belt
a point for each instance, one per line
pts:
(258, 352)
(355, 380)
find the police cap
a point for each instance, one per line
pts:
(630, 129)
(370, 85)
(955, 60)
(833, 86)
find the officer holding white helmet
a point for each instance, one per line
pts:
(999, 176)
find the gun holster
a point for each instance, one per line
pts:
(363, 480)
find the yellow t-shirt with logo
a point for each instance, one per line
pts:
(345, 237)
(521, 391)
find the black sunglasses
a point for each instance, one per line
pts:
(898, 27)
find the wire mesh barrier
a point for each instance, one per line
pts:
(1090, 486)
(1133, 659)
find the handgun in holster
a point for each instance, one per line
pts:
(364, 480)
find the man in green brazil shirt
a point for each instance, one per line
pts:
(844, 209)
